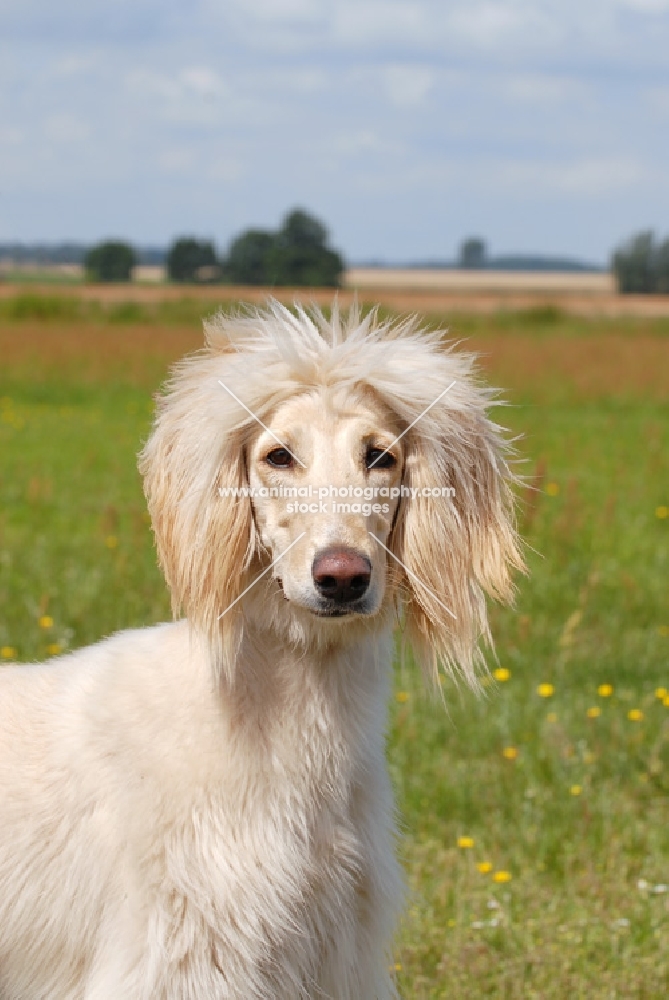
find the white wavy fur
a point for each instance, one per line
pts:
(202, 809)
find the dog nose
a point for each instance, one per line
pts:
(341, 574)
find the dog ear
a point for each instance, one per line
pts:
(455, 549)
(205, 540)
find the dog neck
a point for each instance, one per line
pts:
(311, 706)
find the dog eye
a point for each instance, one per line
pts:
(280, 458)
(379, 458)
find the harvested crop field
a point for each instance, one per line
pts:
(513, 292)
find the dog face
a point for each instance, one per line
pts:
(324, 477)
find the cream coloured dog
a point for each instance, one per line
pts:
(202, 809)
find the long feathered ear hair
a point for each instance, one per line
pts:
(205, 543)
(456, 549)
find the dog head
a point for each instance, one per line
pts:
(316, 474)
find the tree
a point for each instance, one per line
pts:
(634, 264)
(301, 255)
(112, 260)
(299, 229)
(250, 258)
(297, 255)
(641, 264)
(662, 267)
(191, 260)
(473, 253)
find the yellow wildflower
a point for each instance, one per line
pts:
(501, 674)
(605, 690)
(594, 712)
(402, 696)
(662, 512)
(465, 842)
(484, 867)
(575, 790)
(46, 621)
(54, 649)
(635, 714)
(545, 690)
(111, 541)
(510, 753)
(7, 652)
(665, 701)
(502, 876)
(661, 693)
(552, 489)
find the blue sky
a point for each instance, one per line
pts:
(407, 125)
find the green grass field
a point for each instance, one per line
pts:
(535, 819)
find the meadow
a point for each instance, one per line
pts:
(535, 819)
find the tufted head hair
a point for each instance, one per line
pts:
(445, 557)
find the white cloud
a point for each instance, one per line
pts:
(494, 25)
(376, 22)
(283, 12)
(593, 178)
(190, 83)
(599, 177)
(223, 168)
(408, 85)
(541, 88)
(76, 64)
(202, 81)
(10, 135)
(143, 82)
(657, 99)
(178, 160)
(194, 95)
(646, 6)
(66, 128)
(357, 142)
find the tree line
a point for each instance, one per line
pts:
(297, 254)
(641, 264)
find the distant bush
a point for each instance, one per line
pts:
(193, 261)
(473, 253)
(641, 265)
(297, 255)
(110, 261)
